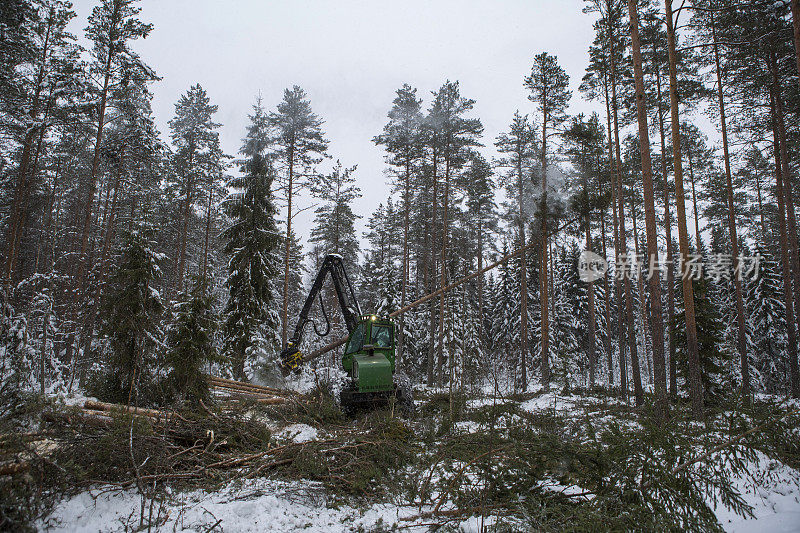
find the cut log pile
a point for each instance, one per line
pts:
(239, 390)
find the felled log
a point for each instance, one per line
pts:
(9, 469)
(216, 381)
(104, 407)
(90, 419)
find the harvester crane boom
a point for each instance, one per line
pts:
(332, 265)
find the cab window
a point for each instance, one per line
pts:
(356, 340)
(382, 336)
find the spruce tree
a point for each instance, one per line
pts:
(767, 315)
(132, 322)
(252, 240)
(191, 346)
(334, 224)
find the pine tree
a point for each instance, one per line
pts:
(402, 136)
(453, 134)
(112, 25)
(548, 84)
(300, 146)
(518, 147)
(198, 161)
(480, 218)
(41, 82)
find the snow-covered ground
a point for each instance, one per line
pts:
(770, 487)
(264, 505)
(773, 490)
(259, 505)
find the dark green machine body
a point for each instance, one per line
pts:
(369, 355)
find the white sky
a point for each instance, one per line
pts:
(350, 56)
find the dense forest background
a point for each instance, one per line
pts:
(134, 260)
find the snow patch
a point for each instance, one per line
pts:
(298, 433)
(773, 490)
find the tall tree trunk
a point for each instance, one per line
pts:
(698, 241)
(623, 372)
(643, 311)
(543, 277)
(432, 274)
(791, 226)
(695, 383)
(760, 207)
(83, 266)
(737, 279)
(187, 210)
(285, 317)
(607, 303)
(623, 240)
(523, 330)
(20, 193)
(592, 350)
(788, 300)
(401, 334)
(208, 233)
(481, 307)
(654, 276)
(796, 24)
(673, 365)
(443, 273)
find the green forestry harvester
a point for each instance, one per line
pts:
(369, 353)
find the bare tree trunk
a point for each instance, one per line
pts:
(285, 317)
(443, 273)
(673, 366)
(695, 383)
(623, 240)
(737, 279)
(592, 350)
(543, 277)
(404, 283)
(432, 275)
(791, 333)
(796, 24)
(187, 208)
(607, 304)
(623, 372)
(654, 278)
(791, 219)
(760, 207)
(208, 233)
(643, 311)
(523, 282)
(698, 241)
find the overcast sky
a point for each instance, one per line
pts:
(350, 56)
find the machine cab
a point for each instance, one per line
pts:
(370, 353)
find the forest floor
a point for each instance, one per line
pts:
(537, 461)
